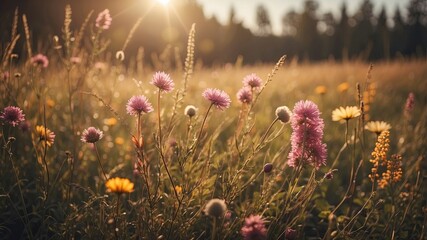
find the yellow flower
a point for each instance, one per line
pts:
(346, 113)
(379, 155)
(321, 90)
(50, 102)
(119, 141)
(343, 87)
(119, 185)
(377, 126)
(110, 121)
(178, 189)
(45, 135)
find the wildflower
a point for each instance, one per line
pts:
(110, 121)
(75, 60)
(12, 115)
(91, 135)
(178, 189)
(346, 113)
(190, 111)
(254, 228)
(25, 126)
(45, 135)
(217, 97)
(307, 134)
(409, 106)
(215, 208)
(283, 114)
(119, 185)
(393, 173)
(40, 60)
(268, 167)
(137, 105)
(252, 80)
(321, 90)
(244, 95)
(377, 126)
(343, 87)
(162, 81)
(379, 155)
(103, 21)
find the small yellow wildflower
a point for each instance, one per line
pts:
(110, 121)
(343, 87)
(119, 141)
(178, 189)
(119, 185)
(377, 126)
(393, 173)
(321, 90)
(45, 135)
(379, 155)
(346, 113)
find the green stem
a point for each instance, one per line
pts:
(99, 161)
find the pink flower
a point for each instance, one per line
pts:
(410, 103)
(40, 60)
(12, 115)
(75, 60)
(91, 135)
(103, 20)
(162, 81)
(252, 80)
(307, 134)
(217, 97)
(254, 228)
(137, 105)
(244, 95)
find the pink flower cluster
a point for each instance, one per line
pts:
(307, 134)
(103, 20)
(40, 60)
(254, 228)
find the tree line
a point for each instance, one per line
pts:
(307, 35)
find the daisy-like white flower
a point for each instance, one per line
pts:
(119, 185)
(346, 113)
(283, 114)
(377, 126)
(12, 115)
(163, 81)
(215, 208)
(217, 97)
(103, 20)
(137, 105)
(190, 111)
(244, 95)
(252, 80)
(40, 60)
(91, 135)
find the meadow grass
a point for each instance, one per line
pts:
(222, 173)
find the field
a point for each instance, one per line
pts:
(93, 148)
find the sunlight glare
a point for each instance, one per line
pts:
(163, 2)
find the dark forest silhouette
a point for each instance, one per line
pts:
(307, 35)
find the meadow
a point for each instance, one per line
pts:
(98, 146)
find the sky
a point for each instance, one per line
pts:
(245, 9)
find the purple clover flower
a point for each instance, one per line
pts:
(217, 97)
(163, 82)
(91, 135)
(254, 228)
(12, 115)
(137, 105)
(40, 60)
(244, 95)
(252, 80)
(307, 134)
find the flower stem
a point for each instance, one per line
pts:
(99, 161)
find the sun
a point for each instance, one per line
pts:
(163, 2)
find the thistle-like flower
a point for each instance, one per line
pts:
(252, 80)
(12, 115)
(283, 114)
(119, 185)
(137, 105)
(215, 208)
(377, 126)
(45, 135)
(244, 95)
(163, 81)
(254, 228)
(40, 60)
(103, 21)
(346, 113)
(91, 135)
(190, 111)
(217, 97)
(307, 134)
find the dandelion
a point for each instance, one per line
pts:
(343, 87)
(244, 95)
(163, 82)
(40, 60)
(119, 185)
(379, 155)
(283, 114)
(307, 134)
(137, 105)
(215, 208)
(190, 111)
(377, 126)
(45, 135)
(321, 90)
(254, 228)
(346, 113)
(12, 115)
(103, 21)
(91, 135)
(217, 97)
(252, 80)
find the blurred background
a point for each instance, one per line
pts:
(252, 31)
